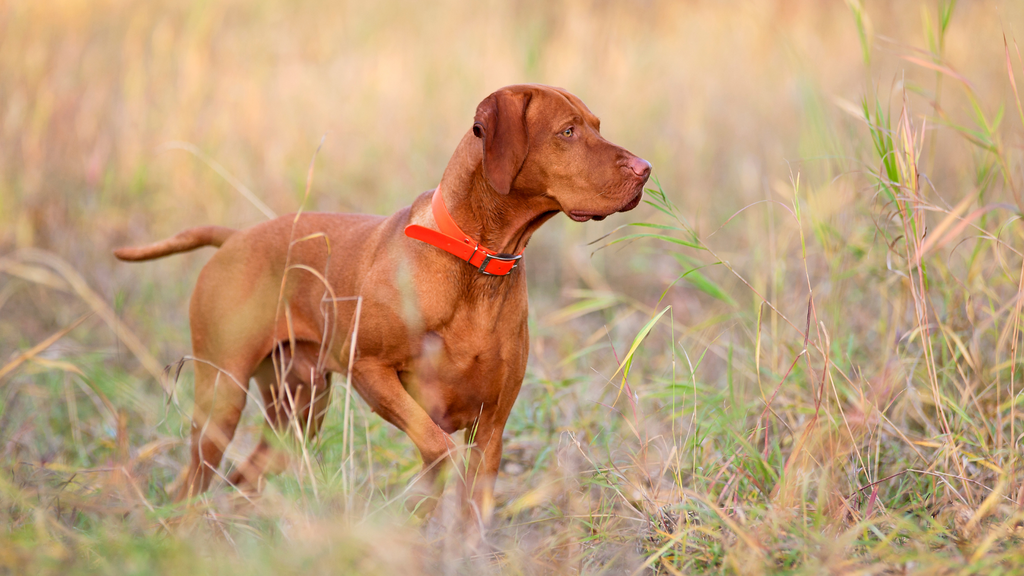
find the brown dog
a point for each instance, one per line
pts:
(439, 344)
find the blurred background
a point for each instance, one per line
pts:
(123, 122)
(726, 101)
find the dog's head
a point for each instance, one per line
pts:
(543, 140)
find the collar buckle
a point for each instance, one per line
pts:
(501, 258)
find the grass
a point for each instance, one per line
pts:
(801, 356)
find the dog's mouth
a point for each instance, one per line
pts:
(584, 215)
(581, 216)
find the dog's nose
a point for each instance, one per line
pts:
(639, 166)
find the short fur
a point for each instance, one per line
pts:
(440, 347)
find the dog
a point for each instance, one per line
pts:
(425, 310)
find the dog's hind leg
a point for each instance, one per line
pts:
(296, 396)
(220, 399)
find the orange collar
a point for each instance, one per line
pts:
(453, 240)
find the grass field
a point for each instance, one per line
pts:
(809, 365)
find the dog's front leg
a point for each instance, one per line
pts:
(477, 486)
(380, 386)
(484, 439)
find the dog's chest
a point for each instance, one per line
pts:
(468, 367)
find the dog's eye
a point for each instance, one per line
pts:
(567, 132)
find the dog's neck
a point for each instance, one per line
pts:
(501, 222)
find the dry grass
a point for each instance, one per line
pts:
(811, 365)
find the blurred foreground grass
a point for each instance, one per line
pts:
(824, 370)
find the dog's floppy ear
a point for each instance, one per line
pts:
(500, 123)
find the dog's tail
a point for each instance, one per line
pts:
(181, 242)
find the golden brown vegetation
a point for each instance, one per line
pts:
(822, 333)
